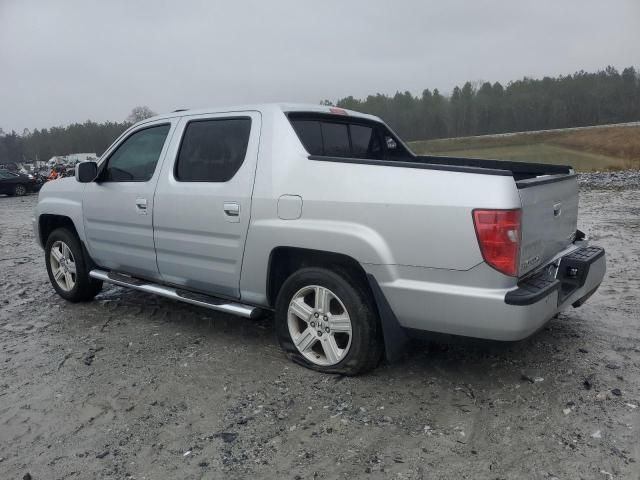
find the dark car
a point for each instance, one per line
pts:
(16, 183)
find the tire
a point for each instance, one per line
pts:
(19, 190)
(63, 254)
(321, 332)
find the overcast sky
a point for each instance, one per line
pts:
(67, 61)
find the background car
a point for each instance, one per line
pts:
(17, 184)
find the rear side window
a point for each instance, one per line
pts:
(335, 139)
(324, 135)
(310, 135)
(136, 158)
(212, 150)
(365, 143)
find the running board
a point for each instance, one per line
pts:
(206, 301)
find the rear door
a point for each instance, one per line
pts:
(118, 206)
(549, 218)
(203, 201)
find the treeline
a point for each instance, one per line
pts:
(87, 137)
(43, 144)
(581, 99)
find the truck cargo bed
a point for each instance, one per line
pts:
(519, 170)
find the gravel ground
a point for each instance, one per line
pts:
(134, 386)
(620, 180)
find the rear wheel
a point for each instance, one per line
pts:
(67, 267)
(326, 321)
(19, 190)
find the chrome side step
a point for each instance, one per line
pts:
(206, 301)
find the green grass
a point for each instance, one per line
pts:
(542, 153)
(543, 147)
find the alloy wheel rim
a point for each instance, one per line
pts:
(20, 190)
(63, 265)
(319, 325)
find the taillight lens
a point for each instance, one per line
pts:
(498, 234)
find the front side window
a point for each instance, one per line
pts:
(136, 158)
(212, 150)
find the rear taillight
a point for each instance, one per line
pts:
(498, 234)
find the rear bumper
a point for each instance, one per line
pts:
(504, 313)
(571, 275)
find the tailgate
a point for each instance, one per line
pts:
(549, 218)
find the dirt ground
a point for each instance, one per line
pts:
(134, 386)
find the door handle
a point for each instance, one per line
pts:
(232, 211)
(141, 205)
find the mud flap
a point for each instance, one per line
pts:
(395, 337)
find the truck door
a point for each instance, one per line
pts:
(203, 201)
(118, 206)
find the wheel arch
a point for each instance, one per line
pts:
(48, 222)
(283, 261)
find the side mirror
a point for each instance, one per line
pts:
(86, 172)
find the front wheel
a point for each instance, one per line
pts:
(326, 321)
(67, 267)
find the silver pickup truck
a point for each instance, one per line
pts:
(326, 218)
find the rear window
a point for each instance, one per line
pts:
(331, 136)
(212, 150)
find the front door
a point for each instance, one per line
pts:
(203, 201)
(118, 206)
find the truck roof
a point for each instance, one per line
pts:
(265, 108)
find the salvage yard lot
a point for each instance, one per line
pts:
(132, 385)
